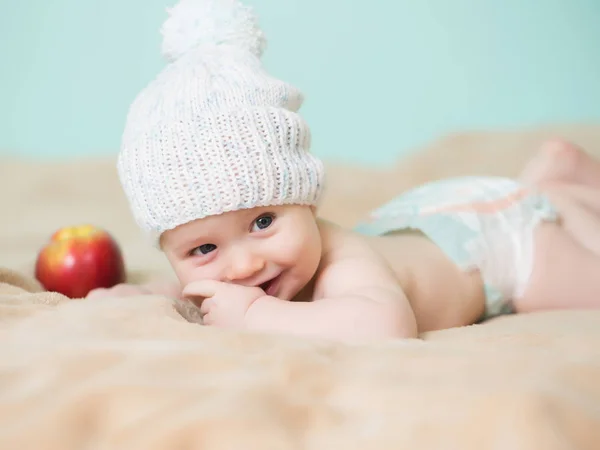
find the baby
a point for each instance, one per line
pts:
(216, 166)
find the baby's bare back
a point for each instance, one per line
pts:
(441, 294)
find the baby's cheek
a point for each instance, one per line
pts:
(297, 249)
(290, 246)
(189, 273)
(183, 274)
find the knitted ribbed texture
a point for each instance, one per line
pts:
(214, 132)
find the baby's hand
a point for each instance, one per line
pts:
(222, 304)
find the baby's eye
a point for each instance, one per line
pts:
(263, 222)
(203, 249)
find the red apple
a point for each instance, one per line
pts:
(78, 259)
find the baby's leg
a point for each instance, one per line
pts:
(564, 276)
(587, 197)
(579, 210)
(561, 161)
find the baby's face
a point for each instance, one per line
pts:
(277, 248)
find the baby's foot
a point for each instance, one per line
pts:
(556, 161)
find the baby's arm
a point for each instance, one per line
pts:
(358, 297)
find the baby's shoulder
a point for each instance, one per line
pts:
(345, 249)
(349, 262)
(338, 242)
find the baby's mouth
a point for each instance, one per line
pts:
(270, 286)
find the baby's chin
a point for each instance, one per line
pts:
(295, 289)
(285, 291)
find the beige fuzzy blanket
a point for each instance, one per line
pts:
(140, 374)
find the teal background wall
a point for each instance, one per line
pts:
(381, 77)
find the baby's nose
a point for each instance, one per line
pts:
(243, 265)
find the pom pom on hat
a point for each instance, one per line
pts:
(197, 23)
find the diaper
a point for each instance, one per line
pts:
(483, 223)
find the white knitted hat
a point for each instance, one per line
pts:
(214, 132)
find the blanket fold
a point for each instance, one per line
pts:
(136, 374)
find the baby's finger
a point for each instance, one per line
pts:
(202, 288)
(205, 307)
(207, 320)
